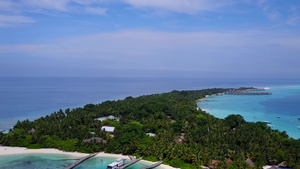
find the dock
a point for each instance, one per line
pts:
(80, 161)
(133, 160)
(153, 165)
(249, 93)
(240, 92)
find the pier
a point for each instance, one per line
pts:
(80, 161)
(248, 93)
(133, 160)
(153, 165)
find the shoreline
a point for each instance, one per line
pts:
(203, 99)
(6, 151)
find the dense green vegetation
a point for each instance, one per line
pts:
(167, 115)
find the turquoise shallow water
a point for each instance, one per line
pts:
(43, 161)
(282, 108)
(35, 161)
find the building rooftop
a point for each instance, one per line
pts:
(151, 134)
(108, 117)
(108, 129)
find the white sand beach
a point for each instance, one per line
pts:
(5, 150)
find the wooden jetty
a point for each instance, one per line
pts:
(80, 161)
(153, 165)
(133, 160)
(248, 93)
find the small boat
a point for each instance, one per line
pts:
(267, 122)
(115, 165)
(278, 116)
(298, 118)
(299, 127)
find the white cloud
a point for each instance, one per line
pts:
(294, 18)
(180, 6)
(60, 5)
(89, 2)
(272, 15)
(139, 43)
(231, 50)
(7, 5)
(13, 13)
(12, 20)
(149, 44)
(97, 11)
(270, 12)
(262, 1)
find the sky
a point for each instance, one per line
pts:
(150, 38)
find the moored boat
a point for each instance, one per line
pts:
(115, 165)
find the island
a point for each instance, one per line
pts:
(166, 126)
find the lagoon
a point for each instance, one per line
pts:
(281, 108)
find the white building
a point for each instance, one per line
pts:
(151, 134)
(108, 129)
(108, 117)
